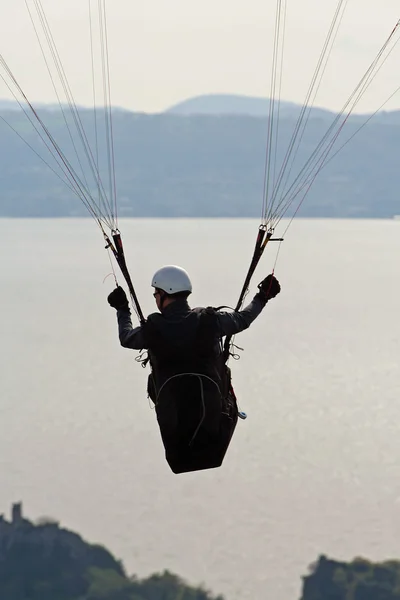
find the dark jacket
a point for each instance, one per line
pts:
(178, 312)
(173, 335)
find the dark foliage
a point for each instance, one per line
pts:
(357, 580)
(46, 562)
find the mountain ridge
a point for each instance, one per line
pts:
(216, 104)
(172, 165)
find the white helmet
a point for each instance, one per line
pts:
(172, 279)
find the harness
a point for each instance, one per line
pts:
(190, 387)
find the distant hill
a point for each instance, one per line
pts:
(174, 165)
(6, 105)
(231, 104)
(9, 105)
(228, 105)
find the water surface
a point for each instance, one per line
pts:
(313, 470)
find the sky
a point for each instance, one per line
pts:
(162, 52)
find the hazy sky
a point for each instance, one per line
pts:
(164, 51)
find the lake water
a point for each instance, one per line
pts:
(314, 469)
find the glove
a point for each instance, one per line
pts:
(117, 299)
(269, 287)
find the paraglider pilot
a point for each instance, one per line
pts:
(190, 383)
